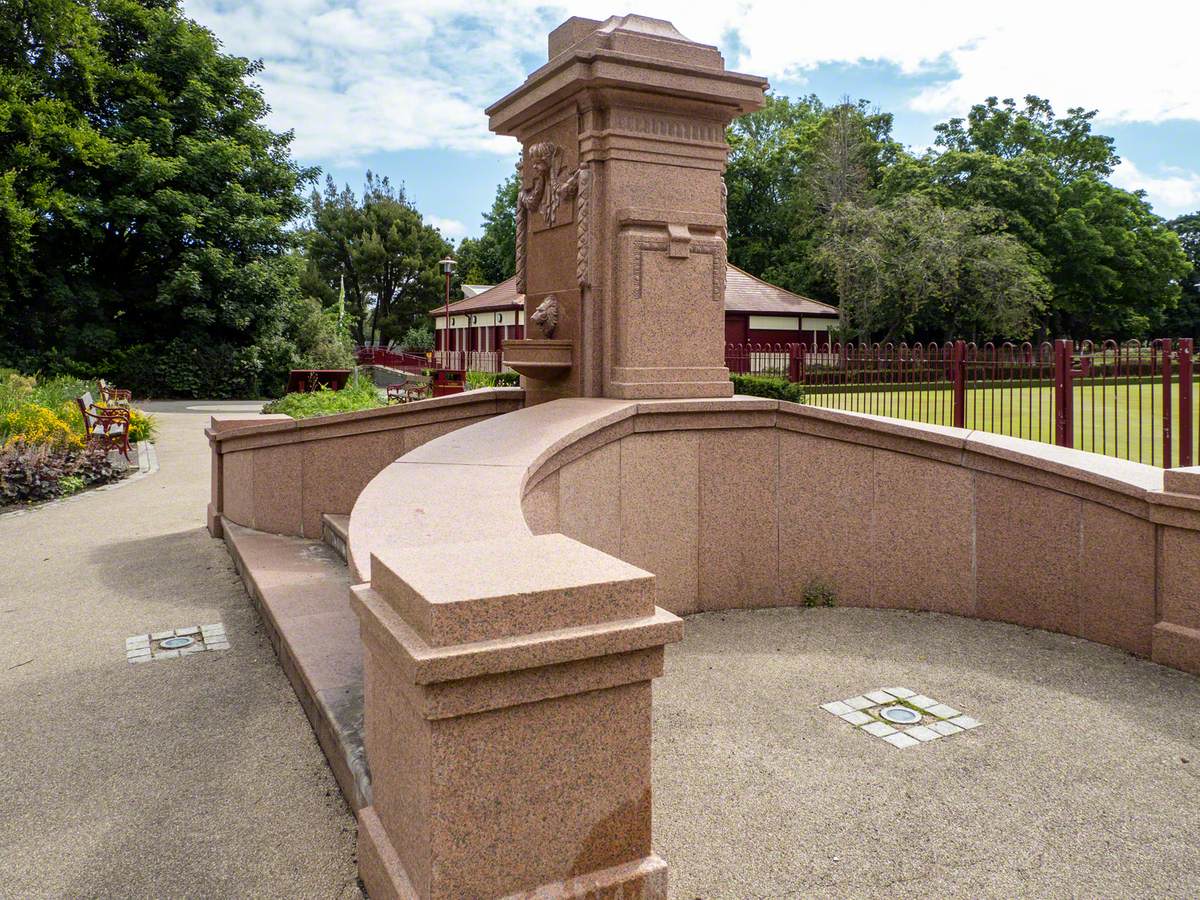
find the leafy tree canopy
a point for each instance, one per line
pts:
(382, 249)
(789, 163)
(143, 205)
(1002, 129)
(492, 257)
(1104, 264)
(916, 267)
(1184, 320)
(1113, 265)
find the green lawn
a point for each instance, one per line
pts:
(1123, 420)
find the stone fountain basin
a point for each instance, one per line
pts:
(540, 358)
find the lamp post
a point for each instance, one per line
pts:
(447, 265)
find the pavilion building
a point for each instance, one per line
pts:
(756, 312)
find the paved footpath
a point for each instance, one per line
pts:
(191, 777)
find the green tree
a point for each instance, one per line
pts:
(789, 164)
(914, 268)
(1113, 265)
(1002, 129)
(143, 205)
(492, 257)
(1184, 320)
(385, 252)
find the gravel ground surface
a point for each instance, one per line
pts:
(193, 777)
(1084, 780)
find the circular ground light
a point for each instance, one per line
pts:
(901, 715)
(177, 643)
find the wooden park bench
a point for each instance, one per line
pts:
(413, 387)
(114, 396)
(106, 427)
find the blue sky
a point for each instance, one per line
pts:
(399, 87)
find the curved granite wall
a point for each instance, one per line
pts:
(278, 474)
(744, 509)
(743, 502)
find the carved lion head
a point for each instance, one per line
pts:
(546, 316)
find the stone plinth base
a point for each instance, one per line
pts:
(670, 384)
(508, 709)
(1177, 647)
(383, 873)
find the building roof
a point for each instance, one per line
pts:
(471, 290)
(743, 293)
(502, 296)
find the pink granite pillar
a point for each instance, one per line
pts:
(507, 691)
(621, 214)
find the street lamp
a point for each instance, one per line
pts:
(447, 265)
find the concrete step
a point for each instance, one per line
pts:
(302, 591)
(335, 531)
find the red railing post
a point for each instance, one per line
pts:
(793, 362)
(1186, 347)
(1064, 395)
(1166, 403)
(958, 362)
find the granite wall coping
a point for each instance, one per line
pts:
(278, 429)
(281, 475)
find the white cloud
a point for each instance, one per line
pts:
(353, 77)
(1174, 192)
(450, 228)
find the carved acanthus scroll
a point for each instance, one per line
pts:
(583, 203)
(549, 186)
(520, 236)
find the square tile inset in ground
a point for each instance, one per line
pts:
(178, 642)
(901, 717)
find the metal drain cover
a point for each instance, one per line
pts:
(176, 643)
(901, 715)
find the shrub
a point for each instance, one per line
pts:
(359, 393)
(767, 386)
(476, 380)
(320, 342)
(142, 426)
(819, 593)
(417, 340)
(70, 484)
(29, 473)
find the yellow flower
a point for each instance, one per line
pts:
(32, 423)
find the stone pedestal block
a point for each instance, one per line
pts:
(218, 424)
(621, 213)
(508, 713)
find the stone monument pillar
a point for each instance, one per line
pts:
(621, 212)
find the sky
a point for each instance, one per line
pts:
(399, 86)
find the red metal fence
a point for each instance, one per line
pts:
(1133, 400)
(474, 360)
(381, 356)
(470, 360)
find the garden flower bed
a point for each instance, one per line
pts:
(359, 393)
(43, 448)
